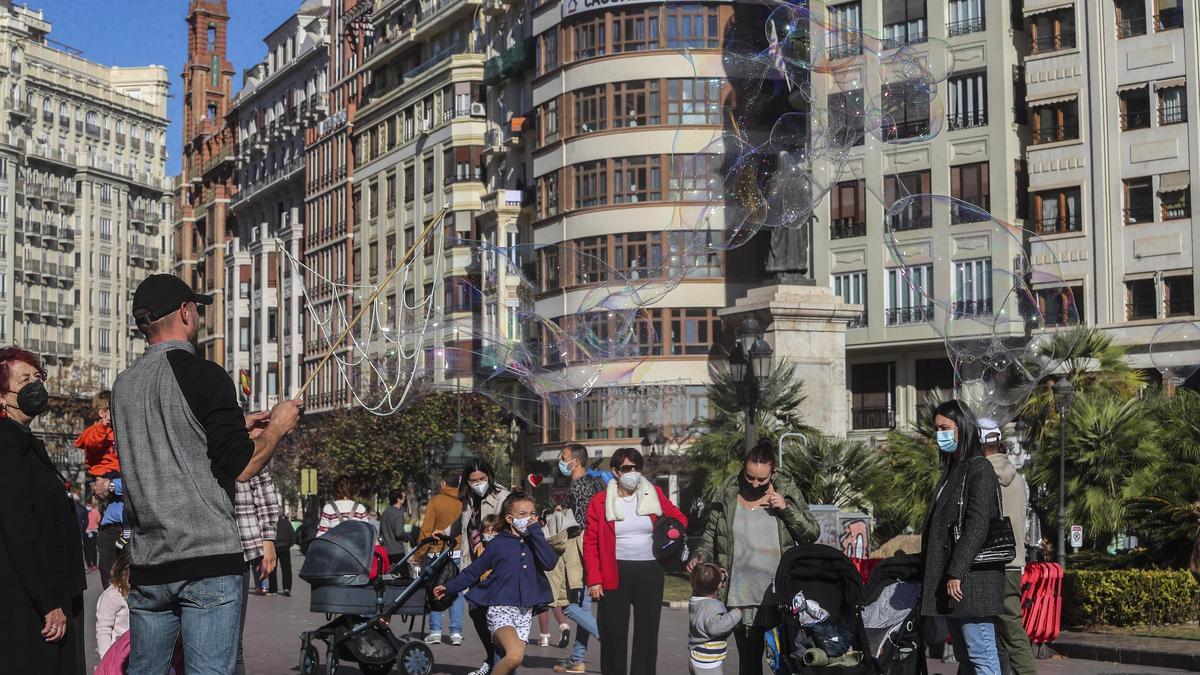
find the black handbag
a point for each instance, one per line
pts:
(1000, 546)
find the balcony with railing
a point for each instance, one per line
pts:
(19, 108)
(966, 309)
(968, 120)
(905, 129)
(873, 418)
(1135, 119)
(1061, 224)
(58, 155)
(1054, 42)
(1065, 132)
(1139, 213)
(972, 210)
(914, 219)
(899, 316)
(844, 228)
(1141, 309)
(965, 27)
(1131, 27)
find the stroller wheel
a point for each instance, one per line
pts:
(415, 658)
(309, 660)
(376, 668)
(331, 667)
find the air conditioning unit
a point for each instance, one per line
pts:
(478, 110)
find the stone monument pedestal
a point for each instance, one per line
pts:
(806, 326)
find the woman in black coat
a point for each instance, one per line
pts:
(41, 552)
(967, 596)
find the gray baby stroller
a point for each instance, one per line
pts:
(362, 607)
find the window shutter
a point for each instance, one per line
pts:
(894, 11)
(916, 9)
(984, 184)
(860, 201)
(956, 182)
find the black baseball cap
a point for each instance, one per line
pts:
(160, 294)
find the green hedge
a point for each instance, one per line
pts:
(1130, 598)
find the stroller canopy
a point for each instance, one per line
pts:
(341, 556)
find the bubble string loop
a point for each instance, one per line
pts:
(369, 302)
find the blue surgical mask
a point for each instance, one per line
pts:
(946, 441)
(564, 468)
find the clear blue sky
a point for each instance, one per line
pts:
(144, 32)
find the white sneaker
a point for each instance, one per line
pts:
(455, 640)
(433, 639)
(545, 641)
(481, 670)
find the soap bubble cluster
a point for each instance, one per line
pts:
(810, 103)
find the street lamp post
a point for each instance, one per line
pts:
(1064, 392)
(750, 366)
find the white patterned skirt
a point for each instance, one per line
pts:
(519, 618)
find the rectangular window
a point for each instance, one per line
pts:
(1061, 305)
(972, 289)
(696, 101)
(1052, 31)
(968, 100)
(1168, 14)
(547, 51)
(591, 184)
(909, 194)
(590, 39)
(909, 295)
(549, 126)
(965, 16)
(591, 422)
(904, 22)
(846, 117)
(1172, 105)
(105, 229)
(105, 342)
(427, 178)
(637, 255)
(105, 302)
(690, 26)
(693, 331)
(695, 177)
(1139, 200)
(848, 210)
(702, 252)
(591, 110)
(1135, 108)
(410, 183)
(851, 287)
(244, 334)
(548, 195)
(637, 179)
(272, 325)
(550, 262)
(591, 260)
(636, 103)
(391, 192)
(105, 265)
(969, 184)
(1180, 295)
(872, 395)
(1057, 121)
(1141, 300)
(1056, 211)
(905, 111)
(1176, 203)
(843, 36)
(1131, 17)
(635, 31)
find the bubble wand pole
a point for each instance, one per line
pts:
(367, 303)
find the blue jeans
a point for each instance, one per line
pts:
(585, 626)
(975, 645)
(208, 612)
(456, 618)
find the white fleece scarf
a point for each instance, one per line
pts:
(647, 501)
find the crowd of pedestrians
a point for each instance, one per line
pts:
(183, 522)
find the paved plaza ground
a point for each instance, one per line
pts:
(274, 624)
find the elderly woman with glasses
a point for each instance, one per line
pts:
(41, 551)
(621, 570)
(755, 517)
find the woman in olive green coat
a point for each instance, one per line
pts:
(757, 515)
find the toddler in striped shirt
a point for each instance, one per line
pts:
(710, 622)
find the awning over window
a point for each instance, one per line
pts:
(1046, 10)
(1171, 83)
(1131, 87)
(1051, 101)
(1174, 182)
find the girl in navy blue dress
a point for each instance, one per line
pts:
(518, 559)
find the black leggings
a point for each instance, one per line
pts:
(640, 587)
(479, 618)
(750, 647)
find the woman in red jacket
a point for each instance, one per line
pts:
(618, 556)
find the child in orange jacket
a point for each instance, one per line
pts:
(97, 441)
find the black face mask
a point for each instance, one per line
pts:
(750, 492)
(33, 398)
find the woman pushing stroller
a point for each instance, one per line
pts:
(518, 559)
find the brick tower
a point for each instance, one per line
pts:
(208, 178)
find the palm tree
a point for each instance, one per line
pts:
(1111, 459)
(717, 451)
(847, 474)
(1166, 514)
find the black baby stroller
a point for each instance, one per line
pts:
(891, 615)
(338, 568)
(819, 593)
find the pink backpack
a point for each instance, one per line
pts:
(117, 658)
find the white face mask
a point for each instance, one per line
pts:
(489, 536)
(480, 488)
(630, 480)
(521, 524)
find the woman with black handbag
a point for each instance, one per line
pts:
(965, 543)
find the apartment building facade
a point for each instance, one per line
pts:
(1111, 153)
(953, 258)
(83, 199)
(263, 298)
(418, 138)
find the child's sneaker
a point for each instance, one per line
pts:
(433, 639)
(545, 641)
(455, 640)
(564, 635)
(568, 667)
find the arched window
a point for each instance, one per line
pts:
(62, 113)
(14, 58)
(92, 119)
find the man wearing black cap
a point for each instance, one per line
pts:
(184, 442)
